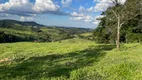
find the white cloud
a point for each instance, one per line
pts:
(90, 9)
(98, 17)
(45, 6)
(81, 17)
(25, 8)
(86, 18)
(110, 1)
(16, 5)
(23, 18)
(76, 18)
(75, 14)
(82, 9)
(66, 3)
(30, 18)
(102, 5)
(96, 20)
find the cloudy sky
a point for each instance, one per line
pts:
(68, 13)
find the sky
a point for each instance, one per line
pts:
(65, 13)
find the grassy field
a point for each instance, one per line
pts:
(73, 59)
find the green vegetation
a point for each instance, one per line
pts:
(71, 53)
(16, 31)
(124, 21)
(72, 59)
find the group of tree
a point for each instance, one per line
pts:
(121, 23)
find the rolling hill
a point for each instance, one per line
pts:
(16, 31)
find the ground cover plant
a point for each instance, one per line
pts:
(70, 60)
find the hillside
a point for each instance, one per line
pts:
(16, 31)
(7, 23)
(72, 59)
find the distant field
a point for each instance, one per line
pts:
(73, 59)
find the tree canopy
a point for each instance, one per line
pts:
(130, 23)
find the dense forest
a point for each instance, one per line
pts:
(16, 31)
(129, 15)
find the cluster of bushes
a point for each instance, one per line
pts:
(14, 38)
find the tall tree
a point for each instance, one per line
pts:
(122, 13)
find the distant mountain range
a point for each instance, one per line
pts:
(14, 31)
(32, 23)
(12, 22)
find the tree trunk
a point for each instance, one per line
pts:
(118, 34)
(126, 38)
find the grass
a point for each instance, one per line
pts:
(86, 34)
(73, 59)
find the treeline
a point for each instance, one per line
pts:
(131, 29)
